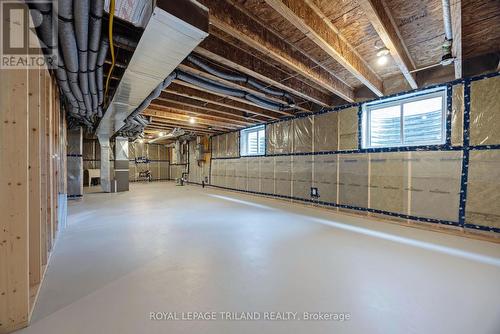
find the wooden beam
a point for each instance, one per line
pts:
(185, 118)
(165, 126)
(301, 14)
(163, 105)
(185, 89)
(380, 18)
(14, 200)
(456, 26)
(236, 23)
(224, 53)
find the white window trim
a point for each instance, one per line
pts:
(401, 100)
(243, 144)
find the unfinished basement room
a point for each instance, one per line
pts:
(250, 166)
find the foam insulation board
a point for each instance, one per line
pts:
(389, 181)
(326, 132)
(302, 134)
(353, 180)
(457, 115)
(325, 177)
(253, 174)
(435, 184)
(267, 175)
(232, 144)
(348, 128)
(483, 190)
(241, 174)
(485, 112)
(279, 137)
(283, 175)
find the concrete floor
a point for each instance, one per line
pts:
(162, 248)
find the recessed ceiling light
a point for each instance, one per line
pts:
(192, 120)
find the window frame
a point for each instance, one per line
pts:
(244, 140)
(400, 101)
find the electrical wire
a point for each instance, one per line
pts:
(111, 45)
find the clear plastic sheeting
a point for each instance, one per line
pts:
(283, 175)
(302, 169)
(176, 171)
(132, 172)
(214, 172)
(233, 144)
(154, 167)
(222, 173)
(253, 174)
(389, 182)
(279, 137)
(353, 180)
(164, 170)
(153, 151)
(267, 175)
(485, 112)
(302, 134)
(435, 184)
(231, 173)
(241, 174)
(163, 153)
(326, 132)
(88, 149)
(215, 146)
(325, 177)
(348, 129)
(457, 115)
(483, 191)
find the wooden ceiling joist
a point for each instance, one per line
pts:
(194, 71)
(256, 110)
(310, 22)
(186, 119)
(190, 113)
(231, 20)
(182, 125)
(380, 18)
(221, 52)
(188, 108)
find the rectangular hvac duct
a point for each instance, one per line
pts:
(173, 31)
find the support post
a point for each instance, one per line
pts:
(121, 164)
(105, 164)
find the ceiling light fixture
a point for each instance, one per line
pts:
(383, 55)
(192, 120)
(161, 134)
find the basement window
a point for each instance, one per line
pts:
(253, 141)
(409, 120)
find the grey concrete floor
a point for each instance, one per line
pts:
(163, 248)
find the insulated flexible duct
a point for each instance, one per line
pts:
(241, 78)
(95, 26)
(81, 20)
(69, 48)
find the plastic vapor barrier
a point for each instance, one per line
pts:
(283, 175)
(241, 174)
(389, 181)
(233, 144)
(215, 147)
(267, 175)
(435, 184)
(302, 134)
(348, 129)
(326, 132)
(483, 192)
(279, 138)
(253, 175)
(457, 115)
(302, 168)
(325, 177)
(484, 112)
(353, 180)
(231, 173)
